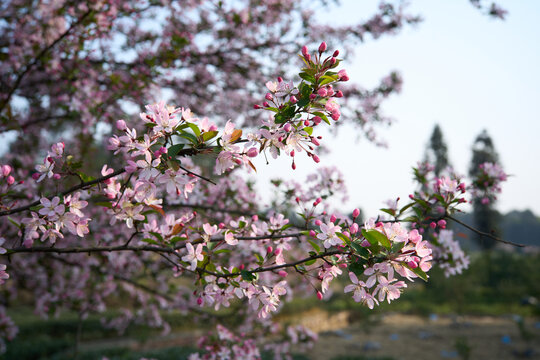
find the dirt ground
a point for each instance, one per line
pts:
(404, 337)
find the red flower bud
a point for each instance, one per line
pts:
(355, 213)
(319, 295)
(336, 53)
(322, 47)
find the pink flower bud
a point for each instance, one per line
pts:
(35, 176)
(256, 106)
(433, 225)
(336, 53)
(293, 166)
(6, 169)
(319, 295)
(199, 301)
(412, 264)
(347, 234)
(279, 79)
(304, 51)
(318, 200)
(269, 250)
(312, 96)
(282, 273)
(287, 127)
(312, 233)
(268, 97)
(335, 115)
(356, 213)
(121, 125)
(294, 100)
(278, 251)
(442, 224)
(322, 47)
(316, 158)
(333, 218)
(343, 75)
(56, 176)
(317, 120)
(252, 152)
(332, 61)
(10, 180)
(308, 57)
(462, 187)
(322, 92)
(318, 222)
(292, 153)
(255, 217)
(485, 201)
(265, 104)
(339, 94)
(354, 228)
(241, 267)
(315, 142)
(221, 225)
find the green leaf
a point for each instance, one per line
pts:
(157, 235)
(307, 77)
(222, 251)
(190, 137)
(106, 204)
(150, 241)
(173, 150)
(374, 237)
(357, 267)
(326, 79)
(247, 276)
(260, 259)
(342, 236)
(14, 222)
(195, 129)
(308, 129)
(314, 245)
(422, 275)
(322, 116)
(390, 212)
(310, 262)
(303, 102)
(286, 226)
(360, 250)
(209, 135)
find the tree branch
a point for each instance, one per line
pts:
(65, 192)
(482, 233)
(42, 53)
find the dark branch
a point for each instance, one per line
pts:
(482, 233)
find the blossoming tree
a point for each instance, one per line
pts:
(157, 224)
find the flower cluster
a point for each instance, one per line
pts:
(406, 253)
(487, 182)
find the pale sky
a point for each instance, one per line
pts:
(462, 70)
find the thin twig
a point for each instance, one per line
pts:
(482, 233)
(196, 175)
(65, 192)
(38, 57)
